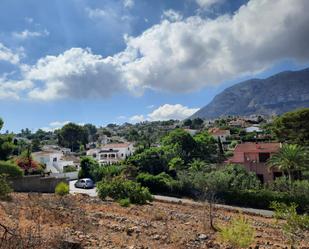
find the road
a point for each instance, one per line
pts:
(93, 193)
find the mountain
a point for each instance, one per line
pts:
(275, 95)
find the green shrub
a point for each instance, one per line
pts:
(162, 183)
(99, 173)
(62, 189)
(124, 202)
(263, 198)
(10, 169)
(295, 226)
(239, 233)
(69, 168)
(119, 188)
(5, 188)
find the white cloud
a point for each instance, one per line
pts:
(128, 3)
(150, 106)
(208, 3)
(13, 89)
(167, 112)
(137, 118)
(58, 123)
(76, 73)
(180, 55)
(8, 55)
(26, 34)
(193, 53)
(52, 126)
(172, 15)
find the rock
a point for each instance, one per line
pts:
(202, 237)
(156, 237)
(70, 244)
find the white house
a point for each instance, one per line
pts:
(254, 128)
(111, 153)
(53, 160)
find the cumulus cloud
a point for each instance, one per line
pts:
(179, 55)
(137, 118)
(166, 112)
(26, 34)
(12, 89)
(208, 3)
(8, 55)
(76, 73)
(193, 53)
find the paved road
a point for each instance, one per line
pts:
(266, 213)
(92, 192)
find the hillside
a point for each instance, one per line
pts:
(275, 95)
(47, 221)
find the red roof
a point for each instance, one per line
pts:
(258, 147)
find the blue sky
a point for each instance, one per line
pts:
(115, 61)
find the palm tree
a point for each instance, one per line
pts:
(291, 157)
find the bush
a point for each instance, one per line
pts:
(5, 188)
(62, 189)
(162, 183)
(119, 188)
(69, 168)
(296, 225)
(10, 169)
(239, 234)
(124, 202)
(263, 198)
(105, 172)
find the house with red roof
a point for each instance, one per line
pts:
(254, 157)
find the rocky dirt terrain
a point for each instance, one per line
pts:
(80, 221)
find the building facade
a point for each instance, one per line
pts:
(254, 157)
(111, 153)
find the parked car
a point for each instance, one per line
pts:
(84, 183)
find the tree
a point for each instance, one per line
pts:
(87, 165)
(197, 123)
(293, 127)
(290, 158)
(72, 136)
(205, 146)
(187, 122)
(153, 160)
(91, 130)
(6, 146)
(1, 123)
(182, 142)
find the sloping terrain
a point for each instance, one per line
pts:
(48, 221)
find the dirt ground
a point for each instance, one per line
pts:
(80, 221)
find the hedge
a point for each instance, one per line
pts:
(10, 169)
(262, 198)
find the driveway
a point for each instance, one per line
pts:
(73, 190)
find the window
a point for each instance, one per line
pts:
(55, 159)
(261, 178)
(263, 157)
